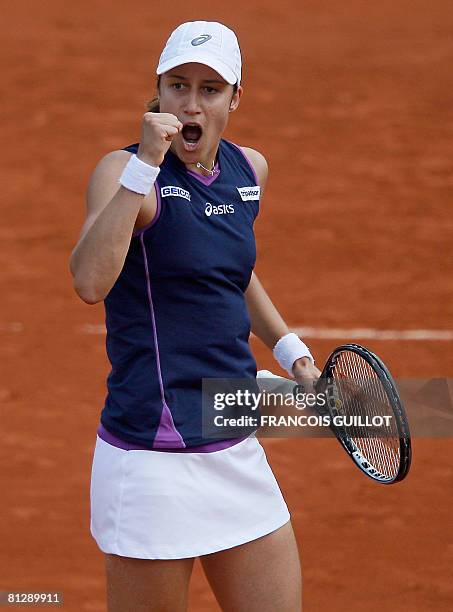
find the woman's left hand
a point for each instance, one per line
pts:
(306, 373)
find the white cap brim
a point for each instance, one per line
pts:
(199, 58)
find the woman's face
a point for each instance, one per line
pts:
(202, 100)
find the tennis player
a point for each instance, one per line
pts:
(168, 245)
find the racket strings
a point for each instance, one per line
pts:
(373, 403)
(360, 393)
(379, 448)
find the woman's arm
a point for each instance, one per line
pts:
(265, 319)
(266, 322)
(268, 325)
(112, 211)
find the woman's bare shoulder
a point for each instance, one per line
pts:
(258, 162)
(112, 161)
(103, 182)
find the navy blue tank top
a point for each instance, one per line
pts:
(177, 312)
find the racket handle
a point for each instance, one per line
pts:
(277, 384)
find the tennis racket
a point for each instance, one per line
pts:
(357, 387)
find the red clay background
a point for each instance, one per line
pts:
(351, 102)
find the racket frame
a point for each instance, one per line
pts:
(399, 412)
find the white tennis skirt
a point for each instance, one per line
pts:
(164, 505)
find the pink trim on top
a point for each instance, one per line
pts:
(167, 433)
(209, 447)
(156, 216)
(206, 180)
(247, 160)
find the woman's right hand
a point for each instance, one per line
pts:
(158, 131)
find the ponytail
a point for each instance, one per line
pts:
(153, 105)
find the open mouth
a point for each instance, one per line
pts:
(191, 134)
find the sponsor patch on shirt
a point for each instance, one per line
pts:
(220, 209)
(171, 190)
(249, 193)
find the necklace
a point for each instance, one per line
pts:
(211, 171)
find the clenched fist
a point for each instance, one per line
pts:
(158, 131)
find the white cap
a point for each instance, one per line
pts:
(204, 42)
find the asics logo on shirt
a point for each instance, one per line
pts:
(221, 209)
(171, 190)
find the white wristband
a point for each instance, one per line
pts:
(138, 176)
(288, 349)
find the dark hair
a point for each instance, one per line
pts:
(153, 105)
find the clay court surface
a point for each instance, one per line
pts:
(351, 102)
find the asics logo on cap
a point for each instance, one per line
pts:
(200, 40)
